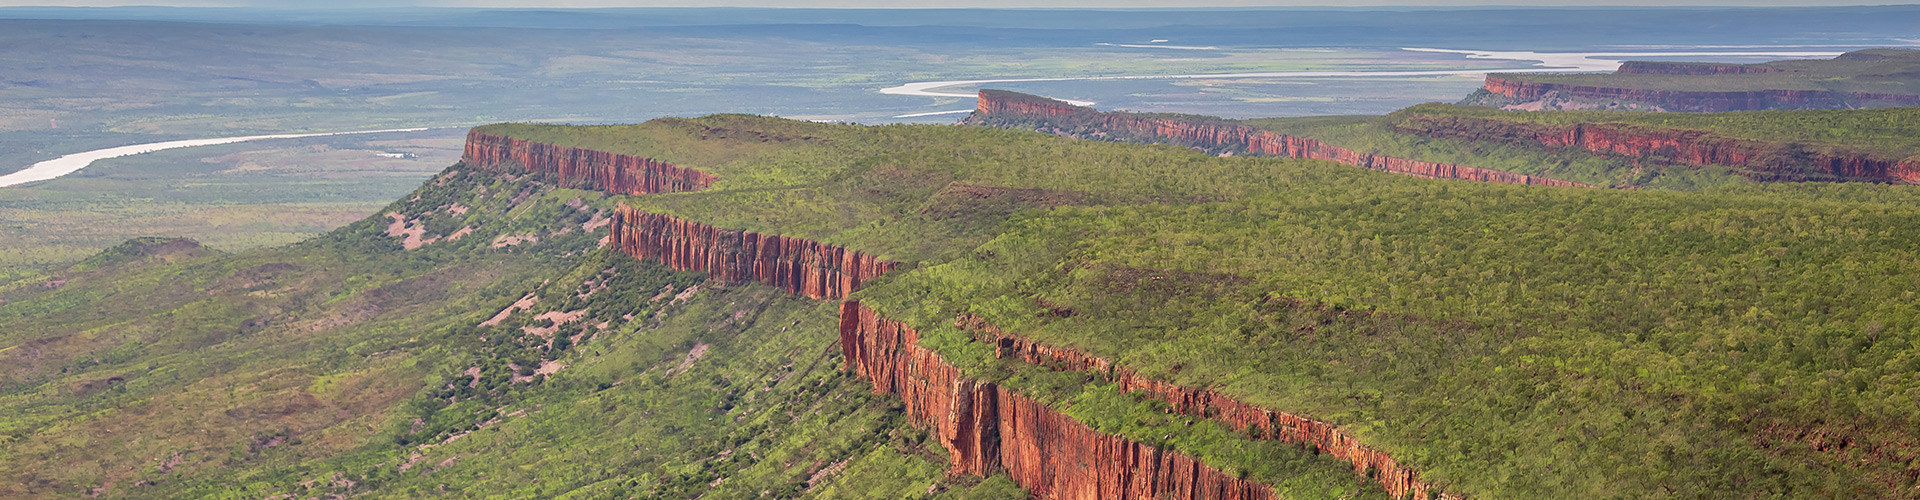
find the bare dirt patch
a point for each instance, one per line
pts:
(519, 305)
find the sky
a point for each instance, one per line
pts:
(321, 4)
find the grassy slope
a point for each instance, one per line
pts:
(339, 366)
(1531, 342)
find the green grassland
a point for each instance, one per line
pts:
(350, 365)
(1891, 71)
(1508, 341)
(230, 197)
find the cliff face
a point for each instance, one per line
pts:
(1691, 69)
(1398, 480)
(1697, 101)
(1002, 102)
(812, 269)
(599, 170)
(1228, 136)
(986, 429)
(1761, 161)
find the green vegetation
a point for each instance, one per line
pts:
(1887, 132)
(1379, 136)
(349, 365)
(232, 197)
(1888, 71)
(1508, 341)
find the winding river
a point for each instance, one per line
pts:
(68, 164)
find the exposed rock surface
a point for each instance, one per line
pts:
(1698, 101)
(1398, 480)
(803, 267)
(1692, 69)
(598, 170)
(987, 429)
(1763, 161)
(1223, 136)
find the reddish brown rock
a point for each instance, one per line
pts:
(987, 430)
(1692, 69)
(1763, 161)
(1230, 136)
(812, 269)
(598, 170)
(1397, 479)
(1696, 101)
(1003, 102)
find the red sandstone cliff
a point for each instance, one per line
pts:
(986, 429)
(1696, 101)
(599, 170)
(1692, 69)
(1764, 161)
(1224, 135)
(1003, 102)
(812, 269)
(1398, 480)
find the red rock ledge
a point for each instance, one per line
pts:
(599, 170)
(807, 268)
(1233, 136)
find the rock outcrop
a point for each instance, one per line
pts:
(1522, 90)
(597, 170)
(1762, 161)
(1216, 135)
(808, 268)
(1397, 479)
(1692, 69)
(986, 429)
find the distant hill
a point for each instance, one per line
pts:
(1862, 79)
(1626, 149)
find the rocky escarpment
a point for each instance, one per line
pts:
(802, 267)
(1520, 90)
(1762, 161)
(1399, 480)
(1215, 135)
(1692, 69)
(987, 429)
(597, 170)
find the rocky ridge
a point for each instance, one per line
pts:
(1757, 160)
(986, 428)
(1007, 109)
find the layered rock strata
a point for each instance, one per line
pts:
(1399, 480)
(1698, 101)
(987, 429)
(1692, 69)
(1225, 136)
(1762, 161)
(802, 267)
(598, 170)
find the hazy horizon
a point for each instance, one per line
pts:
(906, 5)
